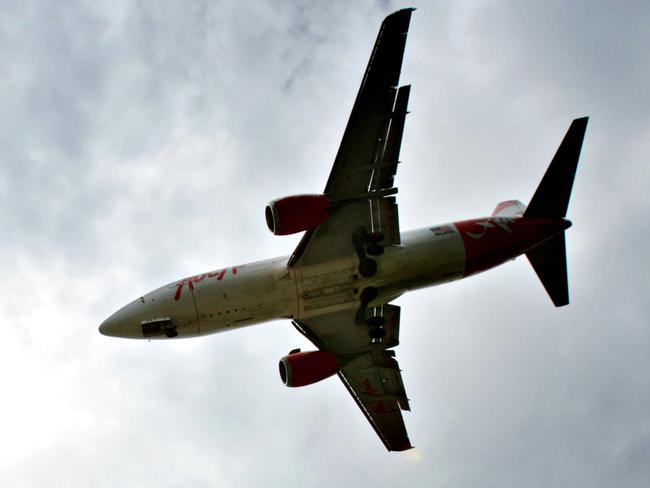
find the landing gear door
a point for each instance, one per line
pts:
(391, 316)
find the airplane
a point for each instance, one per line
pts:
(353, 260)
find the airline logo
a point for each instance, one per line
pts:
(218, 275)
(490, 223)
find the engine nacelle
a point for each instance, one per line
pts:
(289, 215)
(305, 368)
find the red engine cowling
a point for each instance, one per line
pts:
(289, 215)
(305, 368)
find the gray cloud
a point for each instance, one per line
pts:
(140, 142)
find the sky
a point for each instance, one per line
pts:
(140, 142)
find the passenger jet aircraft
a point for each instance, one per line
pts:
(353, 261)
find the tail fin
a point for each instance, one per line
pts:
(551, 200)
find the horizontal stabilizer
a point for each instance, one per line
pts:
(551, 198)
(549, 262)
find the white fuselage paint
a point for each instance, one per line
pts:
(267, 290)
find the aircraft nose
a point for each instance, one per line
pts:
(110, 327)
(128, 321)
(123, 323)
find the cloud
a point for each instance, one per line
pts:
(140, 142)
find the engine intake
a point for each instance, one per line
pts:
(298, 213)
(305, 368)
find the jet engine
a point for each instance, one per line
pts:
(297, 213)
(305, 368)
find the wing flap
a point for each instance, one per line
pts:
(386, 166)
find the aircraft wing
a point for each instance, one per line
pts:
(375, 383)
(369, 372)
(360, 184)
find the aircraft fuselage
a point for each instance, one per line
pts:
(248, 294)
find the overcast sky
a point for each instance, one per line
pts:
(140, 142)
